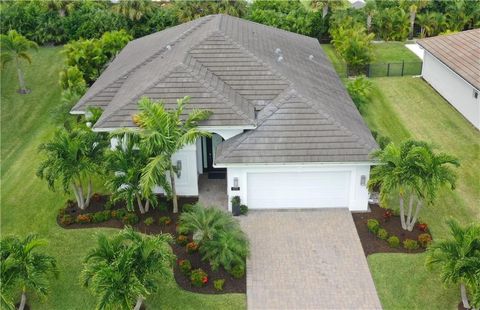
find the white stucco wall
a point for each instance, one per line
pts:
(358, 200)
(452, 87)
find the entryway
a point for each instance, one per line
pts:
(209, 147)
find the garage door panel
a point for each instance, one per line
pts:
(298, 190)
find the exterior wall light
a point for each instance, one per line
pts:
(235, 182)
(363, 180)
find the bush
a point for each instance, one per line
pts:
(387, 214)
(393, 242)
(185, 266)
(101, 216)
(149, 221)
(198, 277)
(84, 218)
(243, 209)
(162, 206)
(187, 207)
(67, 220)
(130, 219)
(109, 205)
(61, 212)
(192, 247)
(410, 244)
(382, 234)
(360, 89)
(422, 226)
(373, 226)
(238, 271)
(218, 284)
(164, 220)
(424, 240)
(119, 213)
(182, 240)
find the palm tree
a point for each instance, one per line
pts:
(457, 16)
(124, 269)
(227, 249)
(458, 258)
(72, 158)
(370, 9)
(15, 47)
(414, 6)
(25, 267)
(165, 132)
(125, 163)
(412, 170)
(427, 23)
(133, 10)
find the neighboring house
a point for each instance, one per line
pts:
(451, 64)
(285, 132)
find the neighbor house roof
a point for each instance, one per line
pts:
(459, 51)
(246, 74)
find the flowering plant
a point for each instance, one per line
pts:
(198, 277)
(192, 247)
(182, 239)
(422, 227)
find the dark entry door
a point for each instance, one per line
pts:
(210, 148)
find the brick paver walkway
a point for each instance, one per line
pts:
(309, 259)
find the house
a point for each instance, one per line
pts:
(285, 133)
(451, 64)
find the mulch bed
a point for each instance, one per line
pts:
(232, 285)
(371, 243)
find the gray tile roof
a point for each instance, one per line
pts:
(234, 68)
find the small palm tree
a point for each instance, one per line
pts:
(227, 248)
(459, 259)
(165, 132)
(15, 47)
(124, 269)
(133, 10)
(24, 267)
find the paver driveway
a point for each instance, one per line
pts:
(306, 260)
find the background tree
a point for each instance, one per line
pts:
(15, 47)
(133, 10)
(413, 7)
(370, 9)
(165, 132)
(25, 267)
(123, 270)
(458, 258)
(188, 10)
(392, 24)
(359, 89)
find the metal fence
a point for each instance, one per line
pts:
(382, 69)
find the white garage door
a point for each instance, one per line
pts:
(298, 190)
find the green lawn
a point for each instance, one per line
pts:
(393, 52)
(409, 108)
(27, 205)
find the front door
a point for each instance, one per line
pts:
(210, 149)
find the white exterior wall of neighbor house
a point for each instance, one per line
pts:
(317, 179)
(453, 88)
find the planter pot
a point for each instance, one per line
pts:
(235, 210)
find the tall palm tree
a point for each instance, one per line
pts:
(413, 7)
(15, 47)
(412, 171)
(370, 9)
(428, 23)
(457, 15)
(134, 10)
(72, 157)
(125, 163)
(165, 132)
(27, 268)
(122, 270)
(458, 258)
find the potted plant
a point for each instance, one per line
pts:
(236, 205)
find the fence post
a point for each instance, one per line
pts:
(403, 65)
(388, 69)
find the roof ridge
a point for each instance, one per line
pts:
(153, 56)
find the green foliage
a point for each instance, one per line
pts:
(392, 24)
(424, 240)
(243, 209)
(101, 216)
(360, 90)
(71, 78)
(410, 244)
(192, 247)
(125, 266)
(149, 221)
(113, 42)
(67, 220)
(188, 10)
(182, 240)
(119, 213)
(382, 234)
(130, 219)
(235, 201)
(373, 226)
(164, 220)
(237, 271)
(218, 284)
(185, 266)
(393, 241)
(198, 277)
(188, 207)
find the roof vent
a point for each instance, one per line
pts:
(310, 57)
(280, 58)
(278, 51)
(169, 47)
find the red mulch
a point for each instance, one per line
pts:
(231, 285)
(372, 244)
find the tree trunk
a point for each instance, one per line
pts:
(89, 193)
(174, 192)
(325, 10)
(410, 207)
(463, 293)
(78, 190)
(140, 205)
(61, 12)
(23, 301)
(412, 24)
(422, 32)
(402, 214)
(369, 22)
(147, 205)
(411, 224)
(139, 303)
(21, 81)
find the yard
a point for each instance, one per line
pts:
(28, 205)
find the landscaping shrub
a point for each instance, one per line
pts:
(101, 216)
(61, 212)
(218, 284)
(192, 247)
(185, 266)
(67, 220)
(373, 226)
(360, 89)
(164, 220)
(149, 221)
(424, 240)
(130, 219)
(188, 207)
(84, 218)
(182, 240)
(243, 209)
(109, 205)
(382, 234)
(198, 277)
(422, 226)
(119, 213)
(410, 244)
(162, 206)
(393, 242)
(237, 271)
(387, 214)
